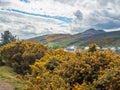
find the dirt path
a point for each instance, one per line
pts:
(5, 86)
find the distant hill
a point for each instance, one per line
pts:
(85, 38)
(49, 38)
(104, 39)
(92, 31)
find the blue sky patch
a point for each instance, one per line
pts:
(108, 25)
(26, 1)
(65, 19)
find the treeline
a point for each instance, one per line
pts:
(49, 69)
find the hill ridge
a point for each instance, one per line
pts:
(81, 39)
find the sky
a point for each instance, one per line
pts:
(30, 18)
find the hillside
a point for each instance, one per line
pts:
(99, 37)
(49, 38)
(104, 39)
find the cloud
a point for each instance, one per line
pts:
(25, 1)
(65, 19)
(28, 26)
(70, 2)
(40, 17)
(79, 16)
(4, 3)
(99, 14)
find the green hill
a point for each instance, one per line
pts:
(99, 37)
(49, 38)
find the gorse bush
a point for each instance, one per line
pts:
(19, 55)
(89, 70)
(43, 76)
(47, 81)
(1, 62)
(45, 69)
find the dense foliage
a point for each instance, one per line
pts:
(89, 70)
(61, 70)
(21, 54)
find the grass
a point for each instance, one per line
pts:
(9, 76)
(60, 44)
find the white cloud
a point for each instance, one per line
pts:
(23, 25)
(110, 30)
(85, 14)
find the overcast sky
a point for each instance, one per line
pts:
(29, 18)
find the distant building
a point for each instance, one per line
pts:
(113, 48)
(118, 48)
(86, 48)
(105, 48)
(98, 48)
(71, 48)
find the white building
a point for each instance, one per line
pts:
(86, 48)
(71, 48)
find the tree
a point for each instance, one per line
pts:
(7, 37)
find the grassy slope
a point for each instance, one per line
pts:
(81, 39)
(60, 44)
(72, 40)
(104, 39)
(9, 76)
(64, 42)
(49, 38)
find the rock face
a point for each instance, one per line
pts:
(5, 86)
